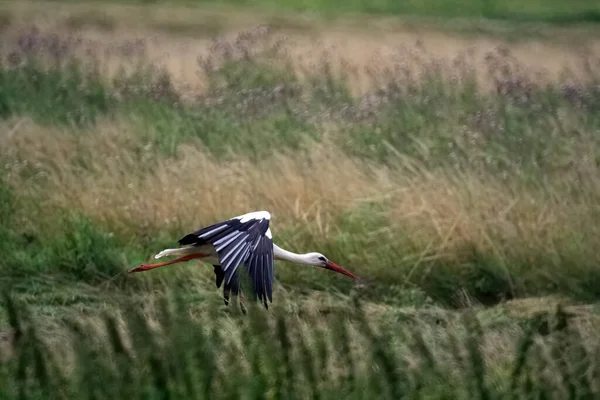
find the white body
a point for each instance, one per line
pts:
(213, 259)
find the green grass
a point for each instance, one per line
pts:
(254, 108)
(54, 94)
(552, 11)
(280, 356)
(439, 191)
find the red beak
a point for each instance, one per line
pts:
(334, 267)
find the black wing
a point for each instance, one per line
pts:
(233, 285)
(240, 240)
(219, 275)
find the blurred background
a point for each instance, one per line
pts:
(446, 152)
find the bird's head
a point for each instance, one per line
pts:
(320, 261)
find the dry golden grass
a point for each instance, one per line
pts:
(175, 37)
(132, 189)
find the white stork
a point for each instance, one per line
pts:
(245, 239)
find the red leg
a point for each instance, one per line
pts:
(146, 267)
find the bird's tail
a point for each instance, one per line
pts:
(183, 251)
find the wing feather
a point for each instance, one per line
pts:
(232, 253)
(219, 275)
(225, 241)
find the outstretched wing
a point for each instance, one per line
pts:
(245, 239)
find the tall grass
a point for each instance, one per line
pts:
(419, 198)
(545, 10)
(438, 188)
(165, 352)
(433, 181)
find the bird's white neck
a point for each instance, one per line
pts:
(281, 254)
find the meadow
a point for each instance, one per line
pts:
(554, 11)
(462, 190)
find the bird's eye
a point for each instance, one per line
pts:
(322, 259)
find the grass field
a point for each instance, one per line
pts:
(461, 185)
(575, 11)
(550, 21)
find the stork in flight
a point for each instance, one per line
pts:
(247, 240)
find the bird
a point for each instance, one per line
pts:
(243, 240)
